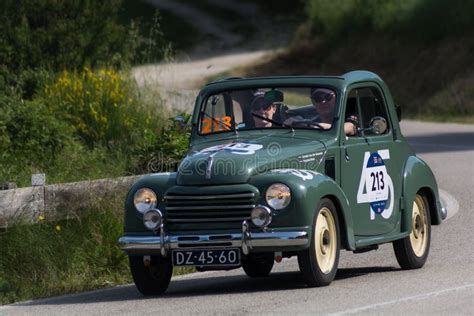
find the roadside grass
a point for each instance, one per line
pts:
(56, 257)
(74, 163)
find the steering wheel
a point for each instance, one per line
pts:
(305, 123)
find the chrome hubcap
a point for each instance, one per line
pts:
(419, 232)
(325, 240)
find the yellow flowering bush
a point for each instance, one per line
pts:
(102, 106)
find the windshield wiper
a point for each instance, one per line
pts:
(272, 121)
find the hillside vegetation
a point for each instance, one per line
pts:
(423, 49)
(69, 108)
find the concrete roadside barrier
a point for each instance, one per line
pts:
(58, 201)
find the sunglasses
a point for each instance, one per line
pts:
(264, 106)
(322, 97)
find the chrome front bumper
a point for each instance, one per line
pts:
(246, 240)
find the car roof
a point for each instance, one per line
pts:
(338, 82)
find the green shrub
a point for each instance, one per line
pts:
(58, 34)
(25, 84)
(166, 152)
(34, 139)
(87, 125)
(455, 100)
(30, 133)
(52, 35)
(150, 43)
(103, 107)
(416, 19)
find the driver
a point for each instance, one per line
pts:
(263, 108)
(324, 103)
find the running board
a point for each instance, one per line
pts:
(366, 249)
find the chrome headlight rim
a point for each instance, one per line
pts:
(261, 216)
(152, 219)
(144, 200)
(278, 196)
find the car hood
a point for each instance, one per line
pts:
(234, 161)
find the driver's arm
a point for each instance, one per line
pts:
(350, 125)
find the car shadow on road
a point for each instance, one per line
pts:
(442, 142)
(348, 273)
(205, 286)
(279, 281)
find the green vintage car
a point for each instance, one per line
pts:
(284, 166)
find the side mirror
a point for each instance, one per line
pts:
(179, 119)
(182, 121)
(378, 125)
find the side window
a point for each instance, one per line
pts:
(352, 111)
(351, 105)
(371, 105)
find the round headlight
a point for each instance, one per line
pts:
(152, 219)
(144, 200)
(278, 196)
(261, 216)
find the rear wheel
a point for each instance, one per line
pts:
(258, 265)
(318, 264)
(154, 278)
(412, 251)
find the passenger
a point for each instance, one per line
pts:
(324, 102)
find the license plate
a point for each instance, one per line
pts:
(207, 257)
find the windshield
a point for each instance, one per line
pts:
(304, 107)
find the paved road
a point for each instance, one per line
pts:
(370, 283)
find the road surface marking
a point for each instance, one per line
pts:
(405, 299)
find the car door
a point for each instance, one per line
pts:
(367, 167)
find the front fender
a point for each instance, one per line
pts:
(308, 188)
(417, 176)
(158, 182)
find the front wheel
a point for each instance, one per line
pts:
(257, 266)
(318, 264)
(412, 251)
(153, 279)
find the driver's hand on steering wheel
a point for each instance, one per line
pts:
(324, 125)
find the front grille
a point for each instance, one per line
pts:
(187, 210)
